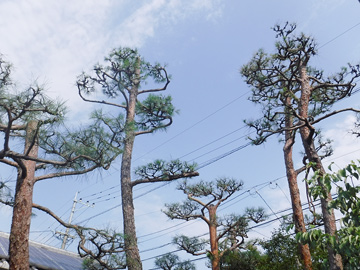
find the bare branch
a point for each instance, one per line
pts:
(9, 162)
(101, 101)
(66, 173)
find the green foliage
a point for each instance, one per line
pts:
(89, 264)
(98, 143)
(113, 125)
(186, 210)
(172, 262)
(216, 191)
(220, 188)
(153, 111)
(250, 259)
(278, 252)
(192, 245)
(121, 76)
(255, 214)
(117, 75)
(281, 252)
(347, 239)
(101, 249)
(161, 169)
(122, 64)
(30, 104)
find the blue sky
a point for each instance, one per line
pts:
(204, 43)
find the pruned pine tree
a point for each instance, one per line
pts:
(277, 116)
(226, 233)
(120, 80)
(294, 97)
(31, 119)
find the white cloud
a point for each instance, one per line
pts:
(55, 40)
(141, 24)
(52, 41)
(346, 146)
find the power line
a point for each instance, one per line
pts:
(183, 223)
(336, 37)
(100, 192)
(163, 230)
(99, 214)
(216, 140)
(195, 124)
(266, 203)
(283, 193)
(211, 161)
(221, 146)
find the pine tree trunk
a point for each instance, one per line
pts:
(306, 133)
(294, 189)
(20, 226)
(133, 260)
(214, 246)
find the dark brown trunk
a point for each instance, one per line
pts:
(20, 226)
(307, 133)
(133, 260)
(291, 174)
(214, 245)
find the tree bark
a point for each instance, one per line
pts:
(20, 226)
(307, 133)
(291, 174)
(133, 260)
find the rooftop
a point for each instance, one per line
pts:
(42, 257)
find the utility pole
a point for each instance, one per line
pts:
(66, 234)
(70, 219)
